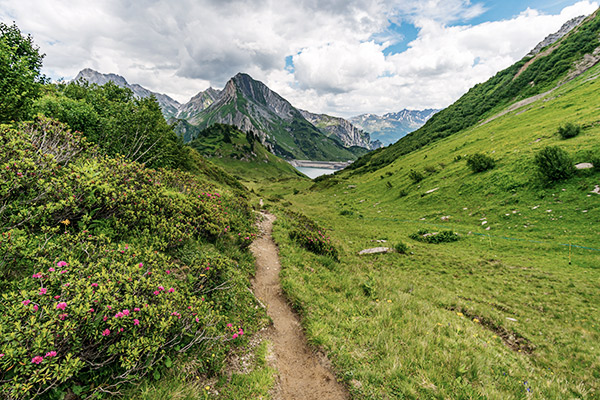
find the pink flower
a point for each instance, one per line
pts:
(43, 290)
(109, 307)
(63, 316)
(125, 312)
(94, 284)
(120, 329)
(141, 265)
(63, 271)
(171, 290)
(67, 284)
(156, 292)
(161, 288)
(136, 309)
(168, 271)
(235, 335)
(37, 359)
(197, 319)
(119, 314)
(26, 302)
(61, 306)
(105, 318)
(241, 331)
(106, 332)
(61, 264)
(91, 310)
(56, 297)
(136, 321)
(51, 269)
(35, 307)
(229, 325)
(1, 355)
(38, 275)
(51, 354)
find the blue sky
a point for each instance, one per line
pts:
(341, 57)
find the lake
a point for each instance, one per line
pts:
(312, 173)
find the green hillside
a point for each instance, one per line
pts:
(507, 311)
(529, 77)
(241, 154)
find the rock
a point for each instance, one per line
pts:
(351, 186)
(375, 250)
(432, 190)
(484, 222)
(511, 319)
(596, 189)
(585, 165)
(445, 218)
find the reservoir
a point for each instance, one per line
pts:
(312, 173)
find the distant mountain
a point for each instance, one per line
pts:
(392, 126)
(252, 107)
(349, 134)
(190, 110)
(169, 106)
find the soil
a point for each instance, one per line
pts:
(303, 373)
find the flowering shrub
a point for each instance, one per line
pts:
(309, 235)
(90, 289)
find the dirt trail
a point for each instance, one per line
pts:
(301, 374)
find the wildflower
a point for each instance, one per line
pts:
(475, 320)
(140, 265)
(156, 292)
(197, 319)
(37, 359)
(51, 354)
(56, 297)
(61, 306)
(61, 264)
(63, 316)
(229, 325)
(94, 284)
(161, 288)
(234, 336)
(35, 307)
(460, 314)
(43, 291)
(106, 332)
(63, 271)
(136, 309)
(1, 355)
(91, 310)
(25, 302)
(67, 284)
(119, 314)
(136, 321)
(125, 312)
(171, 290)
(105, 318)
(168, 271)
(51, 269)
(109, 307)
(120, 329)
(38, 275)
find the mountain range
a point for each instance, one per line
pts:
(285, 130)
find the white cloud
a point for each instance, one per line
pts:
(181, 47)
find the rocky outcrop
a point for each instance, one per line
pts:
(349, 134)
(168, 105)
(390, 127)
(555, 37)
(199, 102)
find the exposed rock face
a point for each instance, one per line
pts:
(553, 38)
(199, 102)
(168, 105)
(387, 129)
(349, 134)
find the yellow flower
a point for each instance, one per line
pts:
(475, 320)
(389, 301)
(206, 387)
(460, 314)
(66, 222)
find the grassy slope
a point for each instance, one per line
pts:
(247, 159)
(403, 326)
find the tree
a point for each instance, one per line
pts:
(20, 73)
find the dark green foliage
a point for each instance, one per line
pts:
(425, 236)
(489, 97)
(554, 164)
(346, 212)
(569, 130)
(479, 162)
(20, 73)
(311, 236)
(416, 176)
(401, 247)
(110, 117)
(430, 169)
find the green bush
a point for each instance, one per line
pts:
(415, 176)
(479, 162)
(309, 235)
(401, 247)
(425, 236)
(569, 130)
(554, 164)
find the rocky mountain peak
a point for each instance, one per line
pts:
(555, 37)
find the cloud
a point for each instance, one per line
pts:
(337, 46)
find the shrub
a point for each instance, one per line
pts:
(479, 162)
(309, 235)
(425, 236)
(569, 130)
(346, 212)
(554, 164)
(430, 169)
(415, 176)
(401, 247)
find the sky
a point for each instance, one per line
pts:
(340, 57)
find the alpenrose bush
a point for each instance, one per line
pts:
(309, 235)
(104, 321)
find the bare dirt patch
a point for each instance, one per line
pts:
(303, 374)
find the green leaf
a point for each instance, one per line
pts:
(168, 362)
(156, 375)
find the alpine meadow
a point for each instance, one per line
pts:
(151, 249)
